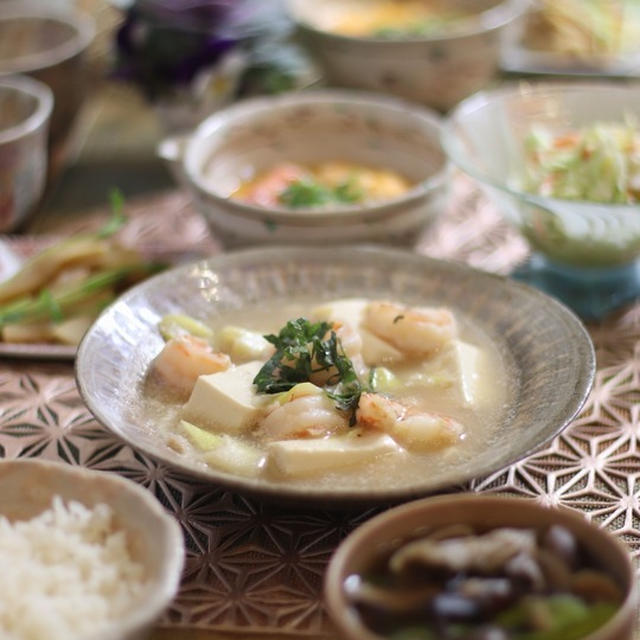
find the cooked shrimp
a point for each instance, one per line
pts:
(266, 189)
(415, 332)
(184, 359)
(308, 416)
(418, 430)
(378, 412)
(349, 338)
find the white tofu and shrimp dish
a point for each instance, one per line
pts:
(367, 392)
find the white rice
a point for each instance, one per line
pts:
(65, 574)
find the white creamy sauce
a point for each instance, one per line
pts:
(400, 468)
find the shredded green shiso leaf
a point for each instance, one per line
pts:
(310, 193)
(303, 349)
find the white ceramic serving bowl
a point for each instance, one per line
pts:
(437, 71)
(49, 42)
(25, 110)
(357, 552)
(311, 127)
(484, 136)
(27, 488)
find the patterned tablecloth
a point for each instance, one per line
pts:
(253, 567)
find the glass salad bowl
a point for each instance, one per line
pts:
(584, 252)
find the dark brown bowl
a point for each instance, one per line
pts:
(357, 552)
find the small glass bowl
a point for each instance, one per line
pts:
(585, 253)
(25, 111)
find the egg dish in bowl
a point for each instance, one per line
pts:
(315, 167)
(434, 52)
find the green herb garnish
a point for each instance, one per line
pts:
(305, 193)
(309, 193)
(303, 349)
(348, 192)
(118, 218)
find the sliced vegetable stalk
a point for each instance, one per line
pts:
(49, 306)
(85, 248)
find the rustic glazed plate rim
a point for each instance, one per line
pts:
(347, 497)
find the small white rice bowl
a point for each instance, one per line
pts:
(83, 554)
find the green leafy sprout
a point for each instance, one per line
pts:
(303, 349)
(310, 193)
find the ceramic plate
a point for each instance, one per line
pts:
(164, 229)
(517, 58)
(13, 251)
(549, 350)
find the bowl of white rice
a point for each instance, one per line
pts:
(84, 554)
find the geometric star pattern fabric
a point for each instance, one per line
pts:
(254, 566)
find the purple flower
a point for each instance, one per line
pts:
(165, 43)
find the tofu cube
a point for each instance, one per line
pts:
(349, 311)
(226, 401)
(305, 457)
(458, 364)
(467, 362)
(376, 351)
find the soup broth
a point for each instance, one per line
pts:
(455, 394)
(334, 183)
(395, 19)
(460, 582)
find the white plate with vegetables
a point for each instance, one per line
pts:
(594, 38)
(337, 376)
(53, 287)
(52, 290)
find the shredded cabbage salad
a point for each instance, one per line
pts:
(598, 163)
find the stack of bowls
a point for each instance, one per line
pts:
(25, 110)
(49, 43)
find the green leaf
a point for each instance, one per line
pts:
(118, 218)
(348, 192)
(305, 193)
(51, 305)
(310, 193)
(304, 348)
